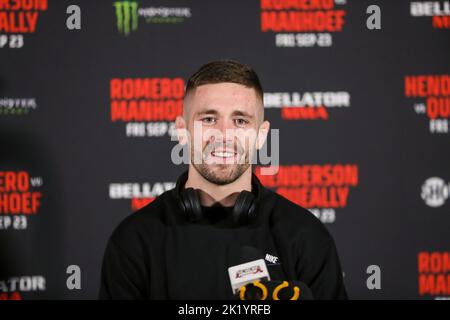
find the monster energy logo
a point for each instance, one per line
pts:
(126, 14)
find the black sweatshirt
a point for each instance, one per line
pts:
(155, 253)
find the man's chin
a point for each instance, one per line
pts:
(221, 174)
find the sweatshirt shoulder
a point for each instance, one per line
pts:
(150, 218)
(290, 216)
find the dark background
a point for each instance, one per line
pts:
(70, 141)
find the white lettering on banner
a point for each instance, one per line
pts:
(296, 99)
(136, 190)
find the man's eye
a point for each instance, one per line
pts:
(208, 120)
(241, 122)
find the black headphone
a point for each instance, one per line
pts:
(244, 209)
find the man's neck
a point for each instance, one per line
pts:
(211, 193)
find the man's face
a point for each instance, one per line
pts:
(223, 121)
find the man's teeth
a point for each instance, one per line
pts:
(223, 154)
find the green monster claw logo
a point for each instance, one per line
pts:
(126, 14)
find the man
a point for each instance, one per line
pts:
(181, 245)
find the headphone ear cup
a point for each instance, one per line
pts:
(191, 203)
(244, 208)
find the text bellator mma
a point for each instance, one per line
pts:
(23, 284)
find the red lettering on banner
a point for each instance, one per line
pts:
(20, 16)
(316, 197)
(16, 5)
(10, 296)
(296, 4)
(15, 194)
(291, 21)
(313, 186)
(14, 181)
(434, 262)
(138, 203)
(147, 88)
(427, 85)
(146, 99)
(441, 22)
(308, 113)
(311, 175)
(146, 110)
(434, 273)
(434, 284)
(438, 107)
(20, 203)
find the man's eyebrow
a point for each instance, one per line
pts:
(242, 113)
(206, 111)
(215, 112)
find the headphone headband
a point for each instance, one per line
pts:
(244, 210)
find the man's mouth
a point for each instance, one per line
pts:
(223, 153)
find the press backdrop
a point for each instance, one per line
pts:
(86, 118)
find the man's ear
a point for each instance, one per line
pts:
(262, 134)
(182, 134)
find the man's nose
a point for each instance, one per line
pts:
(226, 126)
(224, 134)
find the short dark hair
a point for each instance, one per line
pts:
(225, 71)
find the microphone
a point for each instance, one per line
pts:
(250, 280)
(275, 290)
(251, 267)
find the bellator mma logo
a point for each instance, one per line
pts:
(14, 287)
(319, 188)
(139, 194)
(299, 23)
(148, 106)
(17, 199)
(18, 17)
(307, 105)
(439, 11)
(434, 274)
(435, 89)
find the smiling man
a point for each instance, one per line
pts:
(181, 245)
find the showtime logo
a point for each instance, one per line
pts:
(435, 192)
(435, 90)
(439, 11)
(148, 106)
(18, 199)
(302, 23)
(139, 194)
(18, 17)
(14, 287)
(434, 274)
(306, 105)
(320, 188)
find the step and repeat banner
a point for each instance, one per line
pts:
(360, 91)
